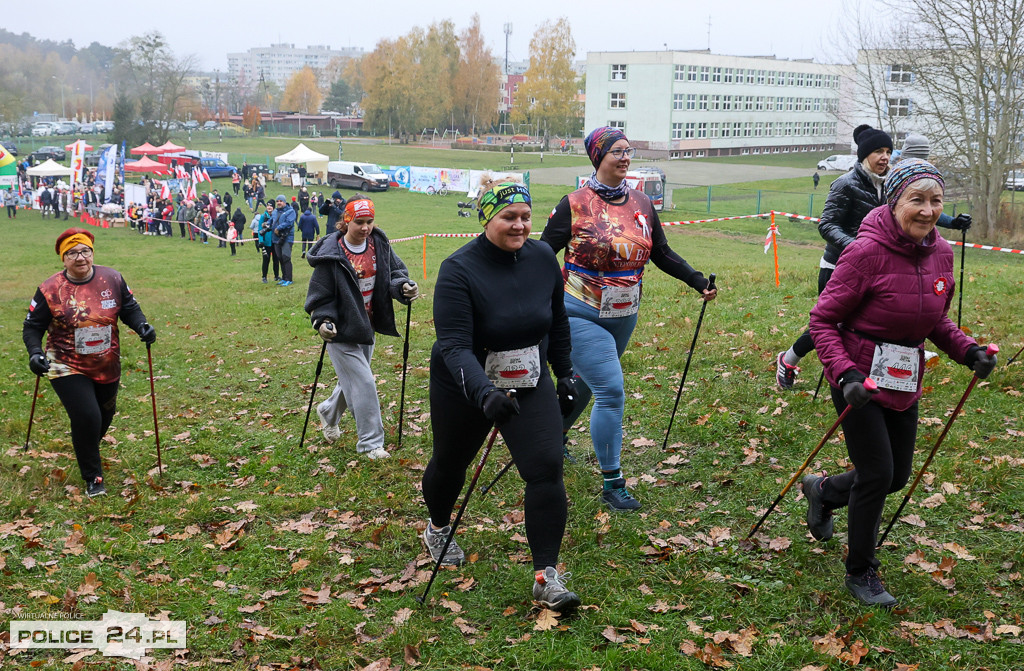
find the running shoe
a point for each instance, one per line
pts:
(549, 590)
(434, 540)
(785, 375)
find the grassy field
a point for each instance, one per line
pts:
(280, 558)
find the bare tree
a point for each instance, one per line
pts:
(954, 72)
(155, 78)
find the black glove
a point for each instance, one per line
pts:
(961, 222)
(498, 407)
(38, 364)
(147, 334)
(984, 363)
(567, 394)
(856, 394)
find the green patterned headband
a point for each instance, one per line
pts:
(500, 197)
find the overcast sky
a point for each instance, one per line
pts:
(210, 30)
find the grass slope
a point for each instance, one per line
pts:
(284, 558)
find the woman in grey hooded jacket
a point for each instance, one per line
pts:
(356, 275)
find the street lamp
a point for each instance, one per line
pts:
(63, 114)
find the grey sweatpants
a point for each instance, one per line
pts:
(356, 389)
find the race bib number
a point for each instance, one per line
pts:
(896, 367)
(92, 339)
(366, 289)
(620, 301)
(514, 368)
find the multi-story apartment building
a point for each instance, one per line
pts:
(683, 104)
(278, 62)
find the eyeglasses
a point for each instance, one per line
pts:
(620, 153)
(78, 254)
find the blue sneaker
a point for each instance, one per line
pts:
(618, 498)
(287, 283)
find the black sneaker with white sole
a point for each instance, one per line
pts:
(435, 540)
(549, 590)
(819, 520)
(94, 487)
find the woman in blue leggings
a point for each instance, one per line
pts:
(609, 232)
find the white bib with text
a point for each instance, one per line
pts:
(514, 368)
(620, 301)
(896, 367)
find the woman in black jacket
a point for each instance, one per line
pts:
(500, 320)
(849, 200)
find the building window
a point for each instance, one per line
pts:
(748, 104)
(716, 75)
(789, 104)
(817, 104)
(673, 154)
(791, 76)
(691, 101)
(691, 73)
(747, 129)
(705, 73)
(714, 129)
(728, 76)
(689, 131)
(760, 104)
(799, 79)
(687, 154)
(727, 103)
(771, 78)
(621, 125)
(680, 73)
(900, 74)
(716, 102)
(755, 150)
(807, 128)
(737, 129)
(758, 129)
(817, 81)
(677, 131)
(750, 76)
(619, 73)
(618, 101)
(780, 104)
(704, 101)
(769, 129)
(899, 107)
(677, 101)
(700, 153)
(760, 76)
(725, 130)
(702, 129)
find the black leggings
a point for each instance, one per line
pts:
(90, 407)
(804, 345)
(534, 438)
(268, 254)
(880, 443)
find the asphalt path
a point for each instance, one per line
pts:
(684, 173)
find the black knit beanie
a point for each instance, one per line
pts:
(869, 139)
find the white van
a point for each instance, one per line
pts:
(362, 176)
(842, 162)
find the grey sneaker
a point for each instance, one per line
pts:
(331, 431)
(549, 591)
(618, 499)
(819, 520)
(377, 453)
(94, 487)
(785, 375)
(869, 590)
(434, 540)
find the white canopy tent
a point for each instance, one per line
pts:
(49, 168)
(316, 163)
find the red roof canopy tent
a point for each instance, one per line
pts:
(88, 147)
(146, 164)
(145, 148)
(167, 147)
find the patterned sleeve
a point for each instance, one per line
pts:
(558, 230)
(36, 323)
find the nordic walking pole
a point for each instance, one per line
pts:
(465, 501)
(32, 412)
(405, 367)
(686, 369)
(1015, 356)
(152, 395)
(820, 379)
(503, 471)
(991, 349)
(312, 392)
(960, 299)
(870, 385)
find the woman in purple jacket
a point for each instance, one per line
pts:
(891, 289)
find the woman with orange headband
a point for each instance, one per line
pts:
(355, 277)
(78, 309)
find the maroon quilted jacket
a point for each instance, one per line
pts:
(887, 288)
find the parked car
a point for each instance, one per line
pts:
(104, 126)
(43, 153)
(43, 128)
(1015, 180)
(66, 128)
(215, 168)
(92, 159)
(842, 162)
(87, 128)
(191, 124)
(362, 176)
(211, 125)
(11, 148)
